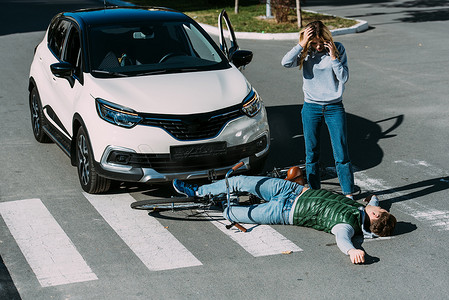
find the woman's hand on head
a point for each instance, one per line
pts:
(307, 36)
(330, 49)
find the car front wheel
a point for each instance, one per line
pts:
(90, 181)
(37, 117)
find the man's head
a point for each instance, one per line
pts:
(382, 222)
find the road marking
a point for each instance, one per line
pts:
(415, 163)
(155, 246)
(259, 240)
(44, 244)
(435, 218)
(380, 238)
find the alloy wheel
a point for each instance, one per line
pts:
(83, 160)
(35, 114)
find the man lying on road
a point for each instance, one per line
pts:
(291, 203)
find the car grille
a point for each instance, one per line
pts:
(193, 127)
(163, 163)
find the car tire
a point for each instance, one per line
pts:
(37, 117)
(90, 180)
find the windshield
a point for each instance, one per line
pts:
(151, 48)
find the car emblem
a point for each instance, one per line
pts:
(194, 125)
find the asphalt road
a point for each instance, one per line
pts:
(398, 114)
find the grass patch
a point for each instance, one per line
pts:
(249, 17)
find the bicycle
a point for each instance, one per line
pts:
(215, 202)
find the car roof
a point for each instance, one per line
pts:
(110, 15)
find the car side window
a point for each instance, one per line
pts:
(58, 35)
(73, 51)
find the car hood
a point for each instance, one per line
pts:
(180, 93)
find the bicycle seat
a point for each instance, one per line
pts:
(295, 174)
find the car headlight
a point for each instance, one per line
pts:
(252, 104)
(116, 114)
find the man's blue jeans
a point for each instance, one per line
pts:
(279, 193)
(334, 115)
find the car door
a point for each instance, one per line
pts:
(67, 87)
(239, 58)
(51, 54)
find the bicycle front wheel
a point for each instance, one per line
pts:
(164, 204)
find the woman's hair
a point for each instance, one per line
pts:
(384, 225)
(321, 32)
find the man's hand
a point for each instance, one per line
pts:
(357, 256)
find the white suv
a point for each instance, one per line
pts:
(144, 95)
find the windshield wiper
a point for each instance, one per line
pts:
(152, 72)
(168, 71)
(118, 74)
(187, 69)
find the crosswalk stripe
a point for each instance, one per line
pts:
(44, 244)
(155, 246)
(259, 240)
(433, 217)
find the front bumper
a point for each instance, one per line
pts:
(126, 165)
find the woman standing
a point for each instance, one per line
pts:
(325, 72)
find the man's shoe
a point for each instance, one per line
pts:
(184, 188)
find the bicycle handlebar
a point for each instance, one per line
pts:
(238, 166)
(240, 227)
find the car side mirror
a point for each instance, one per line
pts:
(241, 58)
(62, 69)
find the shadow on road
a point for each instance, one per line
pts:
(413, 190)
(426, 16)
(20, 16)
(287, 148)
(287, 141)
(404, 228)
(7, 287)
(342, 2)
(416, 10)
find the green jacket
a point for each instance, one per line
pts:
(322, 210)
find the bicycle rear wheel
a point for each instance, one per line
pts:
(163, 204)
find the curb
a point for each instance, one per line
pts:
(359, 27)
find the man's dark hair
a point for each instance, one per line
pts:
(384, 225)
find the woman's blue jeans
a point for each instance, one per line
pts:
(279, 193)
(334, 116)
